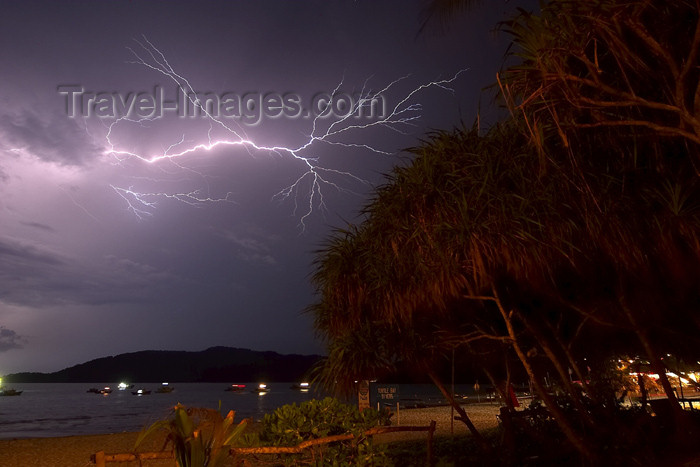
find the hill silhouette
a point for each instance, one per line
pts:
(216, 364)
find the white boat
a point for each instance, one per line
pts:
(303, 387)
(165, 389)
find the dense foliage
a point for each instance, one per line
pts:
(292, 424)
(553, 242)
(199, 437)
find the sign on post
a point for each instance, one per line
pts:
(385, 396)
(363, 395)
(387, 393)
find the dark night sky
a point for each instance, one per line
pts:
(84, 276)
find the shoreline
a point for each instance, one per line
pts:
(75, 451)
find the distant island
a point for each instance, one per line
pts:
(216, 364)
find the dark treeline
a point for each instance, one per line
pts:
(216, 364)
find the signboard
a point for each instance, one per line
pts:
(384, 395)
(387, 393)
(363, 395)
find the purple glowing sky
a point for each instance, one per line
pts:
(83, 276)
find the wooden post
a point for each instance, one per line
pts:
(398, 414)
(363, 395)
(429, 447)
(100, 459)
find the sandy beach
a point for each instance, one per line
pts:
(482, 415)
(72, 451)
(75, 451)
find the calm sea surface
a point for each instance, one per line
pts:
(65, 409)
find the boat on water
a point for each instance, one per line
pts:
(261, 389)
(124, 386)
(235, 388)
(165, 389)
(9, 392)
(303, 387)
(141, 392)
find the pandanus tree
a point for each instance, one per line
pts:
(617, 85)
(573, 224)
(439, 262)
(626, 66)
(474, 247)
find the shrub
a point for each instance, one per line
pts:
(200, 437)
(292, 424)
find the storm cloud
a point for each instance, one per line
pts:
(10, 340)
(103, 227)
(49, 137)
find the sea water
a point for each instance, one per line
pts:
(67, 409)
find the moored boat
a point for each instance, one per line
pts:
(235, 388)
(303, 387)
(165, 388)
(9, 392)
(262, 389)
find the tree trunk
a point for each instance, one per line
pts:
(462, 413)
(567, 429)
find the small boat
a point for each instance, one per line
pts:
(94, 390)
(105, 391)
(235, 388)
(262, 389)
(9, 392)
(141, 392)
(124, 386)
(165, 389)
(303, 387)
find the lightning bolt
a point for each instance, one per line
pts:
(308, 190)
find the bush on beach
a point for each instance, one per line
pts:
(200, 437)
(292, 424)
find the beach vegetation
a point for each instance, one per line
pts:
(549, 245)
(293, 424)
(199, 437)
